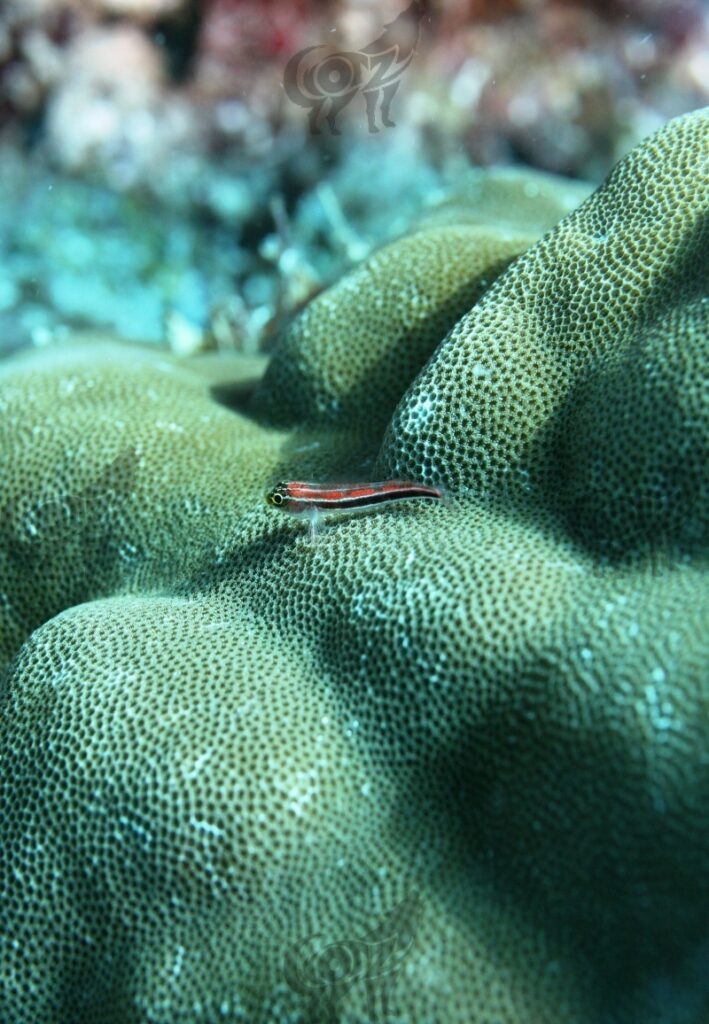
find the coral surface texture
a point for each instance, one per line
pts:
(445, 762)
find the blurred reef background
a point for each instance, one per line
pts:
(159, 184)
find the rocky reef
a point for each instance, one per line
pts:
(447, 762)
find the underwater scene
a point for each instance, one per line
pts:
(354, 532)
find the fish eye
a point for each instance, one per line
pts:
(277, 495)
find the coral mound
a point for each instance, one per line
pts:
(471, 734)
(554, 381)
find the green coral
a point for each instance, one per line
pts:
(418, 287)
(609, 309)
(221, 741)
(400, 303)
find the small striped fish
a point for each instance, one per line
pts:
(298, 496)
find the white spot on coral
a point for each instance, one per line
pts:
(175, 428)
(177, 962)
(193, 772)
(417, 413)
(127, 551)
(206, 826)
(311, 446)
